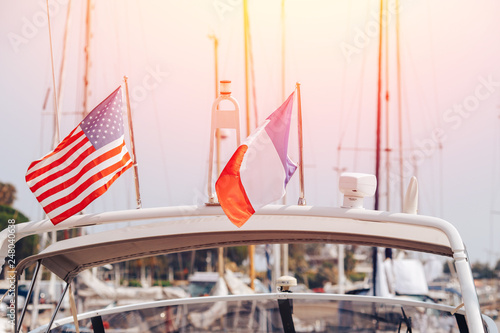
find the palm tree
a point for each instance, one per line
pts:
(7, 194)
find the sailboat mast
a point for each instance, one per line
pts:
(56, 137)
(387, 127)
(379, 109)
(55, 140)
(220, 250)
(377, 155)
(62, 71)
(88, 36)
(283, 97)
(216, 76)
(251, 248)
(400, 109)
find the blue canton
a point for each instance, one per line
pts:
(105, 123)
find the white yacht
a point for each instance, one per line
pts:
(185, 228)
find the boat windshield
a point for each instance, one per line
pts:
(267, 314)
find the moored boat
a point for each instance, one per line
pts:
(185, 228)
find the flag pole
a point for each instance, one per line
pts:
(132, 146)
(302, 199)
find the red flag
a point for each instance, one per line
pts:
(84, 165)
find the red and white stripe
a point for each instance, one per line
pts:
(69, 178)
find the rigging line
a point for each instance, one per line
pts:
(360, 102)
(344, 125)
(38, 211)
(155, 109)
(364, 149)
(252, 73)
(88, 37)
(79, 71)
(116, 25)
(62, 71)
(127, 26)
(441, 181)
(494, 188)
(414, 162)
(360, 99)
(356, 97)
(275, 81)
(342, 88)
(162, 146)
(433, 62)
(47, 94)
(228, 51)
(404, 101)
(341, 111)
(420, 91)
(225, 64)
(496, 160)
(428, 196)
(432, 195)
(361, 91)
(145, 48)
(126, 16)
(440, 190)
(55, 139)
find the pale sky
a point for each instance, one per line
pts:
(450, 72)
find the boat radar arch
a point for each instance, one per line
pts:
(355, 187)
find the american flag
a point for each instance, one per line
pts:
(84, 165)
